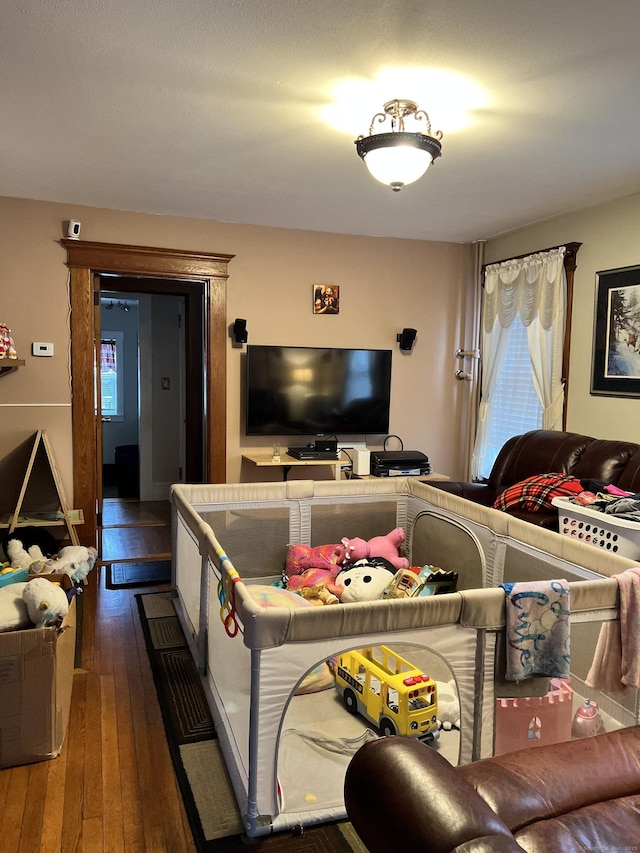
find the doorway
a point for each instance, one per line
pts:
(203, 277)
(143, 415)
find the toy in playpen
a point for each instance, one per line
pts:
(398, 698)
(586, 720)
(227, 597)
(429, 580)
(531, 720)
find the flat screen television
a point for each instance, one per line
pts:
(317, 391)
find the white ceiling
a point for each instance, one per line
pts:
(216, 109)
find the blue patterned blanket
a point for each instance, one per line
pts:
(537, 629)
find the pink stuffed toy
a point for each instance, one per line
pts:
(316, 579)
(309, 568)
(302, 557)
(380, 546)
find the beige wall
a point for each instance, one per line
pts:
(609, 237)
(385, 285)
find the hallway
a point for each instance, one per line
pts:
(135, 531)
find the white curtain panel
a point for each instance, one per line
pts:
(535, 289)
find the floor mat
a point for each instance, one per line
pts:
(208, 797)
(118, 575)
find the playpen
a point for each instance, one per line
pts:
(287, 753)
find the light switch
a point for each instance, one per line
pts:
(165, 383)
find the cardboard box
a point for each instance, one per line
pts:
(36, 678)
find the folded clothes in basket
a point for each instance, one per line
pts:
(628, 508)
(537, 629)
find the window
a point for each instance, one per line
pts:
(111, 375)
(517, 408)
(523, 328)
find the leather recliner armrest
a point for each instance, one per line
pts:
(402, 794)
(479, 493)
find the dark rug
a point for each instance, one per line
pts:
(206, 790)
(146, 573)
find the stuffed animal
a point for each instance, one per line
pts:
(47, 603)
(32, 535)
(13, 608)
(25, 559)
(19, 557)
(36, 603)
(352, 550)
(314, 579)
(448, 705)
(315, 568)
(302, 557)
(365, 580)
(73, 560)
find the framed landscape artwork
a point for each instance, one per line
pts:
(616, 344)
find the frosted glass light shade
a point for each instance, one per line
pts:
(398, 158)
(400, 165)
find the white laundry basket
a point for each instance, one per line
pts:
(609, 532)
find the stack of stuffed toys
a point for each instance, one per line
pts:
(27, 599)
(36, 550)
(351, 570)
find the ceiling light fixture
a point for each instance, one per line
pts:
(399, 157)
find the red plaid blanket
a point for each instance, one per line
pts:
(536, 493)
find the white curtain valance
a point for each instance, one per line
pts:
(532, 287)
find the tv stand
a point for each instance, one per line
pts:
(264, 459)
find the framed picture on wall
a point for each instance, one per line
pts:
(326, 298)
(616, 341)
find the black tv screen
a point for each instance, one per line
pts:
(317, 391)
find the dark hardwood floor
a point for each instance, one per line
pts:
(123, 512)
(112, 788)
(135, 530)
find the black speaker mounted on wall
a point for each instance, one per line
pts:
(240, 333)
(406, 339)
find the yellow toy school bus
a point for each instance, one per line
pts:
(390, 692)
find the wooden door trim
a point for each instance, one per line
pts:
(86, 259)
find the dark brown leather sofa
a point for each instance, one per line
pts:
(582, 795)
(544, 451)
